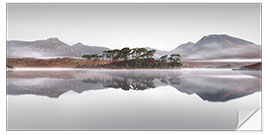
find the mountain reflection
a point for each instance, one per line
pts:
(210, 86)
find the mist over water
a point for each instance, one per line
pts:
(130, 99)
(227, 60)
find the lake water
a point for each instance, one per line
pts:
(99, 99)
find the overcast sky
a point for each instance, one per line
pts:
(162, 26)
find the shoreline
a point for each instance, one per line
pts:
(71, 63)
(124, 69)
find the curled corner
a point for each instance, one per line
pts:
(244, 115)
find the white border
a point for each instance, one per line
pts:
(265, 79)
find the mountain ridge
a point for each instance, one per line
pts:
(213, 46)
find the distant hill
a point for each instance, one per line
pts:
(219, 47)
(51, 47)
(183, 49)
(85, 49)
(158, 53)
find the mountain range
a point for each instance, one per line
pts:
(209, 47)
(52, 47)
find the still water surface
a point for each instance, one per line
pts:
(96, 99)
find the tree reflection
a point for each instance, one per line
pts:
(132, 81)
(54, 84)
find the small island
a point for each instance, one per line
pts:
(134, 58)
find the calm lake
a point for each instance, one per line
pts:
(99, 99)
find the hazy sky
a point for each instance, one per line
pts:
(163, 26)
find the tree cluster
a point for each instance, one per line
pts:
(137, 57)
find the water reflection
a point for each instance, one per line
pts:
(212, 85)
